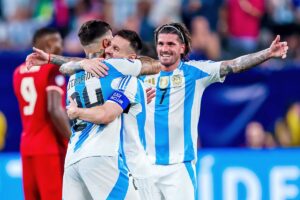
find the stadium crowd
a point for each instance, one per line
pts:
(217, 25)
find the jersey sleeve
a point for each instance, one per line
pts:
(125, 66)
(211, 70)
(128, 86)
(57, 82)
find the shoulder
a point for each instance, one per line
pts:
(120, 61)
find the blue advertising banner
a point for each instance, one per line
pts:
(10, 177)
(239, 174)
(223, 174)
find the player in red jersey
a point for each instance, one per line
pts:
(41, 96)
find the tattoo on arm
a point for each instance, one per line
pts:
(149, 66)
(244, 63)
(70, 68)
(59, 60)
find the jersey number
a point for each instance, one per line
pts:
(86, 98)
(164, 91)
(29, 94)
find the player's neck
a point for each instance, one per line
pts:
(98, 54)
(170, 67)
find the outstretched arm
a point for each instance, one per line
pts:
(99, 69)
(40, 57)
(94, 66)
(240, 64)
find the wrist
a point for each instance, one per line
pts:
(49, 58)
(80, 64)
(77, 112)
(269, 53)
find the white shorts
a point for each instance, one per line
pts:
(101, 177)
(175, 182)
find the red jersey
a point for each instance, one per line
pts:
(39, 136)
(242, 24)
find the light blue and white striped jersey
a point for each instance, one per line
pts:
(173, 115)
(90, 139)
(133, 136)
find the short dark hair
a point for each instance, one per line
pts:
(43, 32)
(178, 29)
(133, 38)
(91, 30)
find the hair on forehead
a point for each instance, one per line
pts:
(92, 30)
(132, 37)
(178, 29)
(40, 33)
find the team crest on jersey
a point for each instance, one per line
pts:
(177, 80)
(163, 82)
(151, 82)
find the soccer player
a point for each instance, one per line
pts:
(172, 116)
(125, 44)
(94, 145)
(46, 130)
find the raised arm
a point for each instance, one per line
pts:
(276, 50)
(94, 66)
(40, 57)
(99, 69)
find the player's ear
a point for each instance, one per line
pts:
(182, 49)
(132, 56)
(105, 43)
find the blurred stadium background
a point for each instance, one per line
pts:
(249, 126)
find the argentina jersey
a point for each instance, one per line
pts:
(133, 136)
(88, 139)
(173, 115)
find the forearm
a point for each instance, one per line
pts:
(70, 68)
(244, 63)
(94, 115)
(149, 66)
(56, 111)
(100, 114)
(59, 60)
(61, 122)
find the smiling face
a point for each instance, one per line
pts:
(119, 48)
(169, 50)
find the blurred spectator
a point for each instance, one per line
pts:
(280, 11)
(122, 10)
(164, 11)
(19, 25)
(270, 141)
(206, 8)
(139, 22)
(205, 44)
(287, 130)
(255, 135)
(243, 22)
(82, 11)
(3, 127)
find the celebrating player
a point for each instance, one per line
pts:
(125, 44)
(172, 116)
